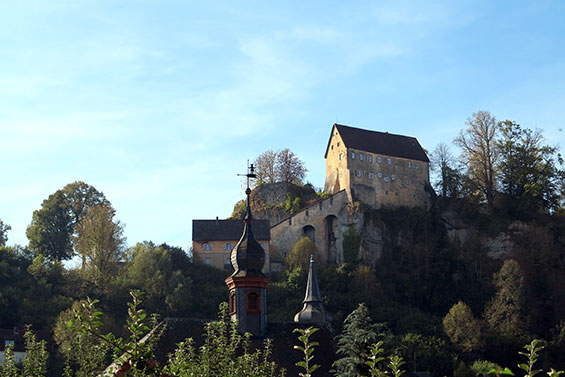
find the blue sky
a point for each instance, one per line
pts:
(159, 104)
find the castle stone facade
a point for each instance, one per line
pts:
(377, 168)
(374, 168)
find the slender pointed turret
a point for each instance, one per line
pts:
(247, 285)
(313, 310)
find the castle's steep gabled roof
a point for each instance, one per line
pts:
(227, 230)
(380, 143)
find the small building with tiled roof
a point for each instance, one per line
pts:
(213, 240)
(377, 168)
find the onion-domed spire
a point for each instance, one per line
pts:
(248, 256)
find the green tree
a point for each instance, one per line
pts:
(423, 353)
(99, 241)
(4, 228)
(351, 245)
(35, 361)
(462, 328)
(52, 227)
(480, 152)
(504, 314)
(528, 170)
(160, 272)
(83, 351)
(300, 254)
(359, 333)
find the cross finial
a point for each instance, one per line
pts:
(250, 174)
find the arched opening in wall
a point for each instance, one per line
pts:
(310, 232)
(331, 238)
(232, 302)
(253, 303)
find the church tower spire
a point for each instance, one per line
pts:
(313, 310)
(247, 285)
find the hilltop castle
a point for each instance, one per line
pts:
(375, 168)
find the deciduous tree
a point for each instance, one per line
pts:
(52, 227)
(504, 314)
(462, 328)
(4, 228)
(289, 167)
(528, 170)
(443, 165)
(99, 240)
(480, 152)
(300, 254)
(265, 167)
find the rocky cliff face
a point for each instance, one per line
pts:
(277, 201)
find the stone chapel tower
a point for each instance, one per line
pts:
(247, 285)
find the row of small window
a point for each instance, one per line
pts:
(379, 160)
(227, 246)
(407, 181)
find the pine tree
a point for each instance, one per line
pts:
(359, 333)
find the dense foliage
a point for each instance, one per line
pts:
(451, 304)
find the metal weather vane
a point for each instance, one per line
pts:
(250, 174)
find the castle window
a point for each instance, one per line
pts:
(206, 247)
(331, 200)
(380, 175)
(406, 181)
(360, 156)
(353, 155)
(371, 176)
(386, 179)
(320, 205)
(393, 177)
(415, 165)
(369, 158)
(409, 164)
(359, 173)
(379, 159)
(388, 161)
(332, 147)
(338, 143)
(290, 221)
(207, 261)
(228, 246)
(306, 212)
(340, 156)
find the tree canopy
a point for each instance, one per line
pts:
(279, 166)
(528, 170)
(52, 226)
(480, 152)
(462, 328)
(4, 228)
(99, 240)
